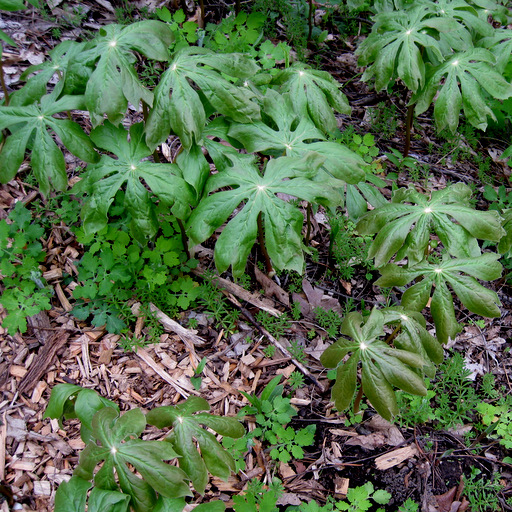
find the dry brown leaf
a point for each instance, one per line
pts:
(368, 442)
(378, 424)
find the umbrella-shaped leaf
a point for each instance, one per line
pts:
(383, 367)
(472, 294)
(115, 443)
(258, 193)
(178, 106)
(29, 127)
(315, 93)
(466, 77)
(396, 45)
(114, 81)
(136, 175)
(295, 135)
(405, 228)
(187, 431)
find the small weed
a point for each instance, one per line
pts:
(25, 292)
(296, 380)
(482, 492)
(297, 351)
(384, 120)
(296, 311)
(329, 320)
(276, 326)
(269, 351)
(272, 413)
(346, 247)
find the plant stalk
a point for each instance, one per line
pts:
(357, 401)
(310, 20)
(2, 80)
(308, 222)
(184, 238)
(261, 240)
(408, 128)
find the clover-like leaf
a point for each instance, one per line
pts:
(295, 135)
(186, 420)
(137, 176)
(466, 78)
(383, 367)
(461, 274)
(315, 93)
(115, 443)
(178, 106)
(282, 221)
(404, 229)
(394, 48)
(114, 81)
(29, 129)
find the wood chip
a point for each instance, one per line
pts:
(388, 460)
(23, 465)
(38, 391)
(188, 337)
(17, 371)
(42, 488)
(43, 360)
(62, 298)
(3, 436)
(185, 393)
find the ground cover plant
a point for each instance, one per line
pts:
(226, 158)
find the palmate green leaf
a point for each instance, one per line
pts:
(178, 505)
(506, 242)
(68, 401)
(465, 78)
(136, 176)
(72, 495)
(470, 292)
(29, 127)
(114, 81)
(296, 136)
(404, 229)
(500, 45)
(383, 367)
(357, 197)
(102, 500)
(462, 11)
(394, 48)
(72, 80)
(12, 5)
(178, 107)
(258, 193)
(414, 337)
(314, 93)
(114, 442)
(187, 431)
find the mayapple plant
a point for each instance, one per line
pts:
(434, 48)
(249, 140)
(113, 442)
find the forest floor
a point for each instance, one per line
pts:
(428, 459)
